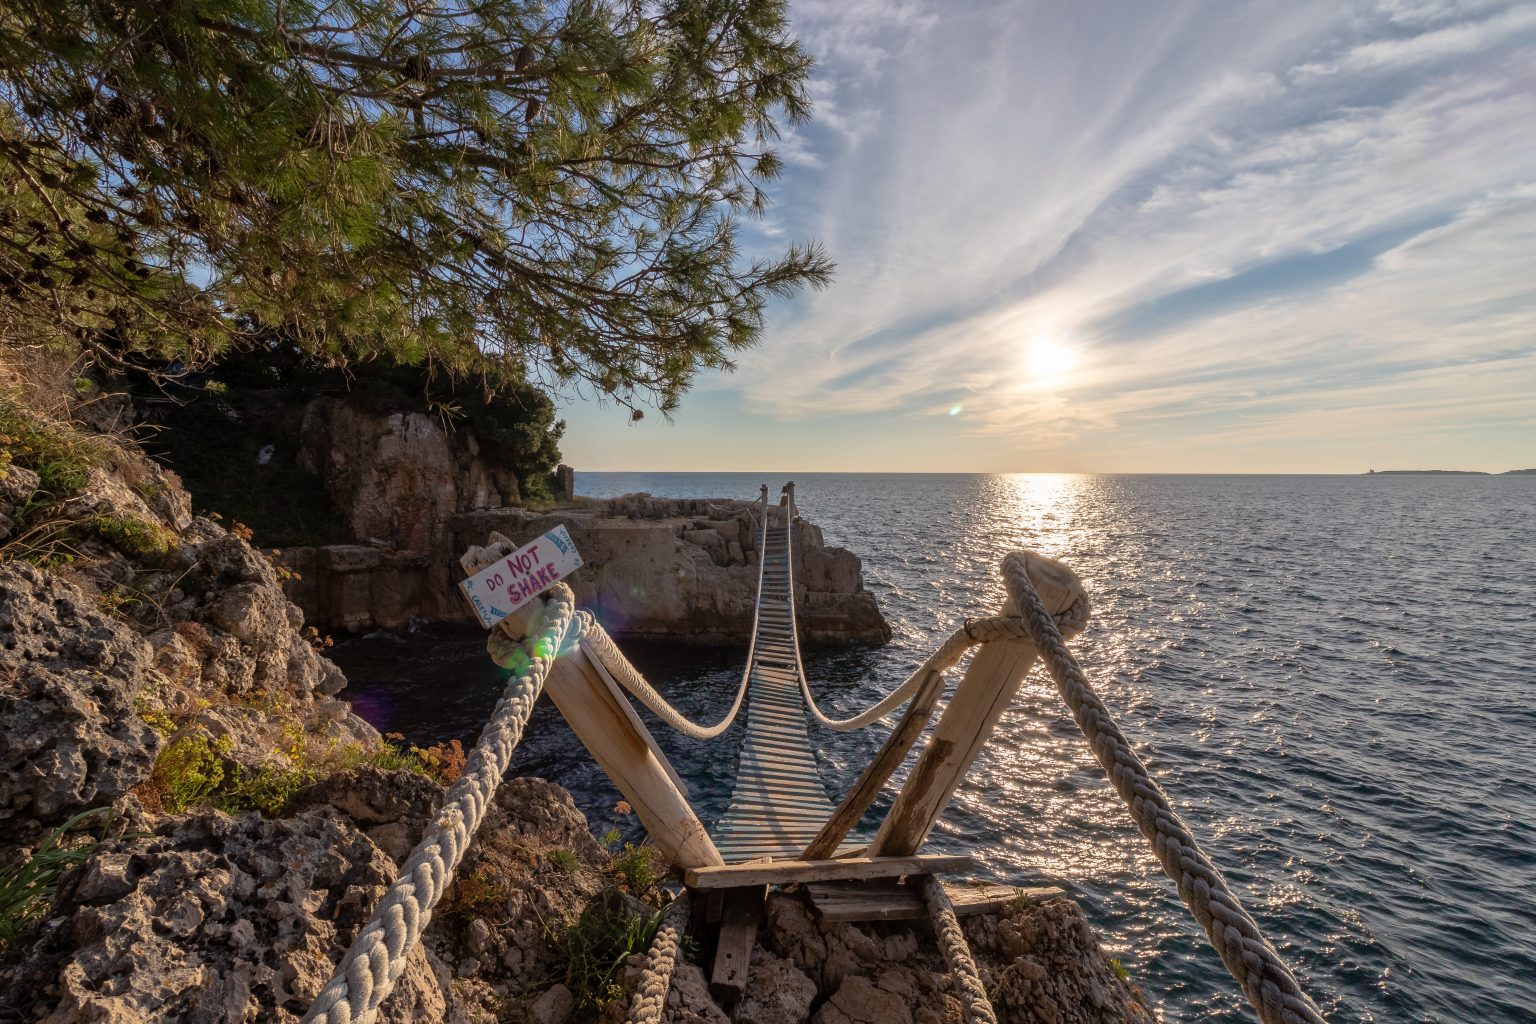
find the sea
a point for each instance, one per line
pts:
(1333, 677)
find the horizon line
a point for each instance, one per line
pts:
(1057, 472)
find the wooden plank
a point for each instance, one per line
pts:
(882, 901)
(879, 769)
(733, 949)
(791, 871)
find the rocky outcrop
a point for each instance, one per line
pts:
(1039, 963)
(413, 494)
(151, 626)
(216, 918)
(686, 569)
(69, 734)
(396, 478)
(655, 568)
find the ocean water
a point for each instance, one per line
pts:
(1333, 677)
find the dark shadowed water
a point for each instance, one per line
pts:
(1332, 676)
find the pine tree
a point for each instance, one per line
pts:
(487, 186)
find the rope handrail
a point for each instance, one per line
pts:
(975, 631)
(1258, 969)
(957, 953)
(373, 963)
(601, 646)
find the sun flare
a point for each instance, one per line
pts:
(1050, 358)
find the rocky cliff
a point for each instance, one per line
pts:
(655, 568)
(368, 506)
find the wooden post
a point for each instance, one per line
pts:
(614, 735)
(606, 724)
(891, 754)
(733, 949)
(634, 718)
(995, 674)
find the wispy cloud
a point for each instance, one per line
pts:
(1262, 228)
(1054, 170)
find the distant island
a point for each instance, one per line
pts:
(1446, 472)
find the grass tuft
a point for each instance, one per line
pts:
(594, 948)
(60, 455)
(27, 886)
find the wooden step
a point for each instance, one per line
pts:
(886, 901)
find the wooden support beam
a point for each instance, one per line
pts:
(612, 732)
(883, 901)
(787, 872)
(989, 685)
(626, 751)
(733, 948)
(875, 774)
(634, 718)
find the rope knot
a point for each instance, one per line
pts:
(1058, 590)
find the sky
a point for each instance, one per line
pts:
(1139, 237)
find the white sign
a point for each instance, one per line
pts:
(503, 587)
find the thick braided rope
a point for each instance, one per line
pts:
(1265, 980)
(957, 954)
(649, 1002)
(377, 957)
(598, 643)
(975, 631)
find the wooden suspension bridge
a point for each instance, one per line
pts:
(781, 828)
(779, 803)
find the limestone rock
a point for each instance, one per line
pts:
(70, 737)
(685, 570)
(1043, 963)
(391, 477)
(17, 485)
(213, 919)
(553, 1006)
(778, 992)
(858, 1000)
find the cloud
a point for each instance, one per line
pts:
(1454, 40)
(1334, 205)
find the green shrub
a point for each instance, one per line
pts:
(155, 718)
(130, 534)
(637, 867)
(269, 789)
(188, 772)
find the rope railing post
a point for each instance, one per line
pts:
(957, 953)
(1264, 978)
(649, 1002)
(377, 957)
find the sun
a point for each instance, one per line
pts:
(1049, 358)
